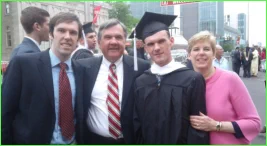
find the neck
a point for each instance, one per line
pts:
(35, 37)
(61, 57)
(207, 73)
(219, 58)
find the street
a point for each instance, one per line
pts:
(256, 88)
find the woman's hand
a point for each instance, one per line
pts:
(203, 122)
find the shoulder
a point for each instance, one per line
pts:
(89, 61)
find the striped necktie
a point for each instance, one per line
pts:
(113, 103)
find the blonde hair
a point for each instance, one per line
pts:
(201, 37)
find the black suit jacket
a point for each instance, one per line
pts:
(26, 46)
(93, 66)
(28, 109)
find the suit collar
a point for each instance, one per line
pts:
(32, 40)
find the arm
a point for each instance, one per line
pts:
(249, 120)
(11, 89)
(198, 104)
(136, 119)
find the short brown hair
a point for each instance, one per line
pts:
(200, 37)
(30, 15)
(67, 18)
(110, 23)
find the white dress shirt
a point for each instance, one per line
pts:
(97, 120)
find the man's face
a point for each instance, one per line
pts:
(158, 46)
(219, 52)
(112, 43)
(44, 30)
(65, 39)
(139, 44)
(91, 40)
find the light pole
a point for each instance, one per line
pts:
(248, 23)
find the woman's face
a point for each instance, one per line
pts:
(202, 56)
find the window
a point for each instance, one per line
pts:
(8, 37)
(7, 8)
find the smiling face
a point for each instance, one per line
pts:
(158, 46)
(112, 43)
(202, 55)
(65, 38)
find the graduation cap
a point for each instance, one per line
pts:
(87, 28)
(152, 23)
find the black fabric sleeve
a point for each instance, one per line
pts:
(11, 90)
(238, 133)
(136, 118)
(197, 104)
(81, 54)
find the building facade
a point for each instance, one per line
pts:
(211, 17)
(202, 16)
(139, 8)
(242, 25)
(12, 30)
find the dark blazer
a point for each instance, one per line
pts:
(26, 46)
(93, 66)
(28, 108)
(82, 53)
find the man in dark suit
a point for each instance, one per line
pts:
(87, 43)
(108, 95)
(35, 22)
(236, 60)
(40, 92)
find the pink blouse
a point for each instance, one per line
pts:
(227, 99)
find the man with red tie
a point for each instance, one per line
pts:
(108, 95)
(39, 95)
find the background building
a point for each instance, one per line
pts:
(139, 8)
(201, 16)
(12, 30)
(242, 27)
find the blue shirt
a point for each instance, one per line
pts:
(222, 63)
(57, 136)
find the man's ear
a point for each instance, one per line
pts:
(36, 26)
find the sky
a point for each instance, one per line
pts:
(257, 18)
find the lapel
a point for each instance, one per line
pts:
(91, 72)
(45, 70)
(128, 75)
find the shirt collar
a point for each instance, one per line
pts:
(55, 60)
(170, 67)
(107, 63)
(36, 43)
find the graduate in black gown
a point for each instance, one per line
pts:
(87, 43)
(168, 93)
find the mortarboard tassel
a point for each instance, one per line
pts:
(85, 41)
(135, 54)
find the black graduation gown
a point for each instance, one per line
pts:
(162, 108)
(81, 54)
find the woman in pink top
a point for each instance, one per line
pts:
(231, 115)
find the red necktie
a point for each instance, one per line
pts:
(113, 103)
(66, 114)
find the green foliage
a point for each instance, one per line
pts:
(121, 11)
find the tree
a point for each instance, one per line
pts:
(120, 11)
